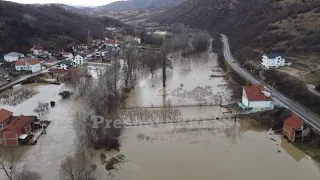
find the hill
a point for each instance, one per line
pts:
(261, 25)
(48, 25)
(138, 5)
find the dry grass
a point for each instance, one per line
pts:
(313, 78)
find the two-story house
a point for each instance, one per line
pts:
(274, 59)
(15, 129)
(33, 65)
(78, 60)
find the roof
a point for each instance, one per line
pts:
(20, 63)
(58, 71)
(293, 122)
(34, 61)
(4, 114)
(37, 47)
(14, 54)
(109, 41)
(273, 55)
(51, 60)
(66, 53)
(254, 93)
(18, 123)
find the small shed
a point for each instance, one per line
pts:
(295, 129)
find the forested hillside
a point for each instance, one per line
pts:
(49, 25)
(293, 25)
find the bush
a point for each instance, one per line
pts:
(65, 94)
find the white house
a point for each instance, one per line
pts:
(33, 65)
(132, 39)
(36, 50)
(65, 64)
(111, 28)
(100, 53)
(255, 98)
(78, 60)
(274, 59)
(67, 55)
(13, 56)
(82, 46)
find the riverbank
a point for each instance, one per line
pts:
(274, 119)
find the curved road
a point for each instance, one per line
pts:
(294, 107)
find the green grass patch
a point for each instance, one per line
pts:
(313, 152)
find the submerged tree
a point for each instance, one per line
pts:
(77, 167)
(26, 174)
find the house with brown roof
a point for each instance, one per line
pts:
(33, 65)
(295, 129)
(255, 98)
(14, 130)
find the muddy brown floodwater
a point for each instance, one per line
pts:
(216, 149)
(45, 157)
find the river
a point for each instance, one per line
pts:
(215, 149)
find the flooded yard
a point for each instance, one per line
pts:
(45, 157)
(214, 149)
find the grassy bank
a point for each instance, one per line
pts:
(294, 89)
(275, 119)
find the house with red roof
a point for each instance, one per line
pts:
(295, 129)
(255, 98)
(33, 65)
(4, 117)
(14, 130)
(111, 43)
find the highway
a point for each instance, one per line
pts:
(304, 114)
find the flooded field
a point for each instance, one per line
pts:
(45, 157)
(215, 149)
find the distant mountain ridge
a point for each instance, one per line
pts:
(258, 24)
(50, 25)
(139, 4)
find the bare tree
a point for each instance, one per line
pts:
(152, 61)
(26, 174)
(131, 62)
(80, 80)
(200, 41)
(77, 167)
(9, 160)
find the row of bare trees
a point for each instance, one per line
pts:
(10, 159)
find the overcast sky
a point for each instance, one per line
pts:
(73, 2)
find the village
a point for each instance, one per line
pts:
(16, 130)
(67, 73)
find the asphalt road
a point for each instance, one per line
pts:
(294, 107)
(21, 78)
